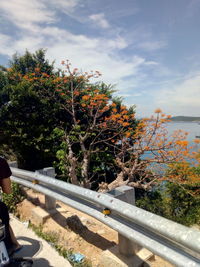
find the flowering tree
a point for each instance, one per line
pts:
(142, 157)
(27, 90)
(95, 123)
(187, 173)
(98, 124)
(101, 143)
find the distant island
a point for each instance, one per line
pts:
(185, 118)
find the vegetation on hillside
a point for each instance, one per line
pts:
(185, 118)
(177, 201)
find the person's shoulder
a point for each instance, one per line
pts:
(5, 171)
(2, 160)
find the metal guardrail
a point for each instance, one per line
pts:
(176, 243)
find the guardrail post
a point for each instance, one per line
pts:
(126, 194)
(13, 164)
(50, 203)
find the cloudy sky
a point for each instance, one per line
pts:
(149, 49)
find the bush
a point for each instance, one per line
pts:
(173, 202)
(14, 198)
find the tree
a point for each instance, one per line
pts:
(99, 142)
(87, 153)
(28, 112)
(99, 123)
(29, 62)
(172, 201)
(142, 157)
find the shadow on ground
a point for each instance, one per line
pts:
(75, 224)
(31, 248)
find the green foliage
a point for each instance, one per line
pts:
(173, 202)
(38, 119)
(28, 111)
(11, 200)
(184, 207)
(101, 165)
(196, 170)
(28, 62)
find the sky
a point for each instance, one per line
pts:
(149, 50)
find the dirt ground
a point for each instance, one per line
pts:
(76, 230)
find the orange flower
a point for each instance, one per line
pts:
(125, 124)
(124, 111)
(182, 143)
(126, 117)
(158, 110)
(76, 93)
(85, 97)
(128, 134)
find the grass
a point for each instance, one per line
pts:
(52, 238)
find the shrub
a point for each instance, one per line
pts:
(173, 202)
(14, 198)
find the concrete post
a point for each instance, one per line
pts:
(50, 203)
(13, 164)
(126, 194)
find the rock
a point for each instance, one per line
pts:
(74, 223)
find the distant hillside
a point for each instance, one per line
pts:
(185, 118)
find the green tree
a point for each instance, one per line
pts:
(28, 112)
(87, 153)
(31, 61)
(96, 137)
(172, 201)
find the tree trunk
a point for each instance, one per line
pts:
(73, 165)
(84, 170)
(118, 181)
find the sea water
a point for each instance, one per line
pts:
(192, 128)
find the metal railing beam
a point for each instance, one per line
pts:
(185, 236)
(155, 243)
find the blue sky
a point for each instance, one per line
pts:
(148, 49)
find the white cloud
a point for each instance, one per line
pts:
(87, 52)
(5, 40)
(182, 98)
(84, 52)
(152, 45)
(100, 20)
(91, 53)
(36, 22)
(151, 63)
(22, 12)
(66, 6)
(119, 43)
